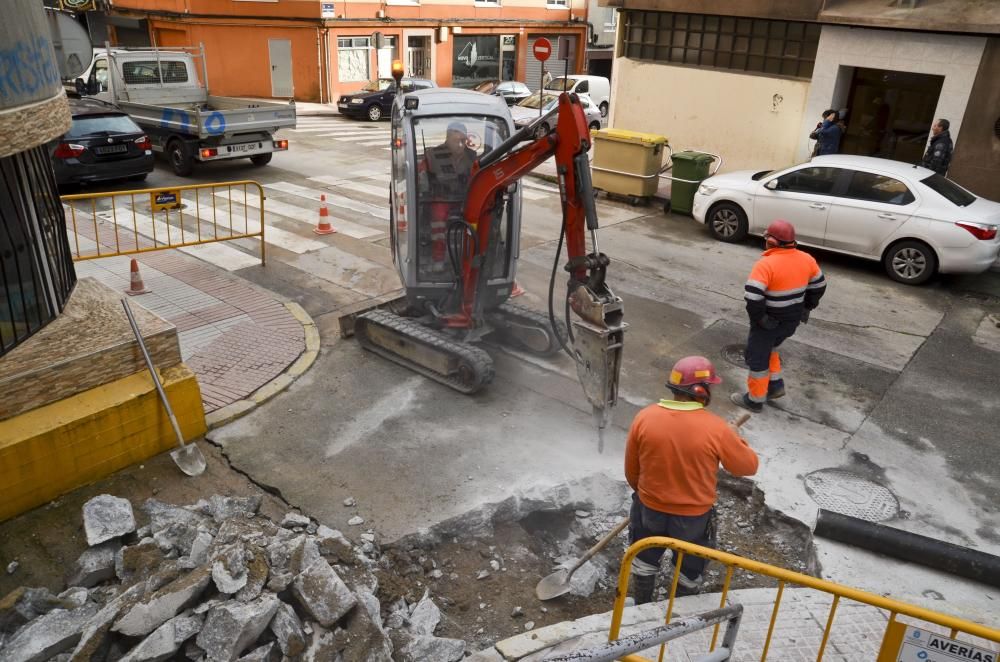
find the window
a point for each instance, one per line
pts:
(487, 3)
(556, 4)
(99, 76)
(353, 59)
(612, 25)
(583, 87)
(878, 188)
(775, 48)
(88, 124)
(151, 72)
(949, 190)
(808, 180)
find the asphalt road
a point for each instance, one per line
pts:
(893, 384)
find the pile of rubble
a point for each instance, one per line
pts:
(216, 581)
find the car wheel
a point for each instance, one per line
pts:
(261, 159)
(541, 131)
(910, 262)
(727, 222)
(181, 159)
(374, 112)
(595, 126)
(604, 108)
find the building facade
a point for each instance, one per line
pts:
(312, 50)
(749, 79)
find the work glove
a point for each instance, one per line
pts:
(805, 316)
(768, 322)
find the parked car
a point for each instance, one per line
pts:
(913, 220)
(374, 101)
(102, 143)
(510, 91)
(526, 112)
(598, 88)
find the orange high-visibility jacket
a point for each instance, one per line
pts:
(782, 283)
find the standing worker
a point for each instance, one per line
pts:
(785, 285)
(938, 154)
(672, 457)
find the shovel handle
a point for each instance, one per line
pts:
(600, 545)
(741, 419)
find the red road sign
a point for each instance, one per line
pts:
(542, 49)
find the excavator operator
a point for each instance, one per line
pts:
(444, 182)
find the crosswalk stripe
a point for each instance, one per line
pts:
(541, 187)
(378, 211)
(534, 194)
(355, 138)
(373, 143)
(383, 177)
(355, 131)
(274, 236)
(316, 128)
(302, 215)
(377, 191)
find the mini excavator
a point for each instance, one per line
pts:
(455, 221)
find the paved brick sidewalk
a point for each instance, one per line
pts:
(235, 337)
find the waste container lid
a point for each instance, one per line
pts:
(697, 157)
(624, 135)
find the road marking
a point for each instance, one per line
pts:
(273, 235)
(221, 255)
(541, 187)
(377, 191)
(302, 215)
(373, 143)
(316, 128)
(351, 134)
(359, 138)
(535, 195)
(378, 211)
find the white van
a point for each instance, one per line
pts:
(598, 88)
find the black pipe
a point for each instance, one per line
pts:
(937, 554)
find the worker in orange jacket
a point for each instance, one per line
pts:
(672, 459)
(785, 285)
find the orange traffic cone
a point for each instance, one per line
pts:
(516, 291)
(323, 226)
(136, 285)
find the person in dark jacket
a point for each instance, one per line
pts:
(827, 134)
(938, 155)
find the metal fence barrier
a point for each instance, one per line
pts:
(138, 221)
(784, 577)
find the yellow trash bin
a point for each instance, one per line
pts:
(627, 162)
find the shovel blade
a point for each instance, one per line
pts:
(189, 459)
(553, 586)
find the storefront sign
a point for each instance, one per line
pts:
(77, 5)
(477, 58)
(327, 10)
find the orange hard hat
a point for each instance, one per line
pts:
(782, 231)
(693, 370)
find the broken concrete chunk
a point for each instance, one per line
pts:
(229, 571)
(584, 580)
(323, 594)
(424, 648)
(425, 617)
(222, 508)
(106, 517)
(287, 629)
(279, 581)
(292, 520)
(321, 647)
(257, 573)
(12, 567)
(305, 552)
(231, 627)
(365, 639)
(350, 502)
(48, 635)
(137, 562)
(333, 543)
(162, 515)
(178, 537)
(95, 634)
(237, 530)
(164, 604)
(165, 641)
(95, 565)
(73, 597)
(198, 553)
(265, 653)
(24, 604)
(355, 521)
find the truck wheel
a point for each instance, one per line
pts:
(374, 112)
(261, 159)
(181, 158)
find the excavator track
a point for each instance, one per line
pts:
(434, 354)
(527, 329)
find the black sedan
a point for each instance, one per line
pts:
(102, 143)
(374, 101)
(510, 91)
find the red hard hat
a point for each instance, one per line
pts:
(693, 370)
(782, 231)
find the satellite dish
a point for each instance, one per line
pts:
(71, 43)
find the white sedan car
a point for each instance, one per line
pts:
(911, 219)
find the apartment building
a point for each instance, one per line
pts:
(313, 50)
(748, 79)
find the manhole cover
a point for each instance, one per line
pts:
(849, 494)
(734, 354)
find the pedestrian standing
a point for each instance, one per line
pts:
(938, 155)
(672, 459)
(546, 80)
(785, 285)
(827, 134)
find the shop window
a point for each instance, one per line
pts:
(353, 58)
(557, 4)
(476, 58)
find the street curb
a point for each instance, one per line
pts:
(295, 369)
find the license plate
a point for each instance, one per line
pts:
(245, 147)
(111, 149)
(341, 105)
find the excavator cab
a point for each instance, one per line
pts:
(437, 136)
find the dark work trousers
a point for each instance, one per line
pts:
(762, 359)
(698, 529)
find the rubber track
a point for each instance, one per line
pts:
(539, 320)
(476, 359)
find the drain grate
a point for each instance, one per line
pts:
(850, 494)
(734, 354)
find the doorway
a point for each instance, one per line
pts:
(280, 51)
(890, 113)
(418, 57)
(385, 55)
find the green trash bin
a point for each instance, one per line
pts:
(690, 169)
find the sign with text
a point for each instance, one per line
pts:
(328, 10)
(161, 200)
(542, 49)
(906, 643)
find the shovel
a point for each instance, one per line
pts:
(558, 584)
(187, 457)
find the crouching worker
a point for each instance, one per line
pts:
(672, 456)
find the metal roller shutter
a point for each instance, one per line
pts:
(533, 76)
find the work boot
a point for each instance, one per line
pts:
(775, 390)
(743, 400)
(642, 588)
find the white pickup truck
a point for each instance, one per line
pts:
(167, 95)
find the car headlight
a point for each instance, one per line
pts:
(357, 100)
(705, 189)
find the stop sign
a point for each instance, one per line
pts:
(542, 49)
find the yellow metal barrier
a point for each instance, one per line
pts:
(137, 221)
(784, 577)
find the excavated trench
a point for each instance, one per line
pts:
(482, 568)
